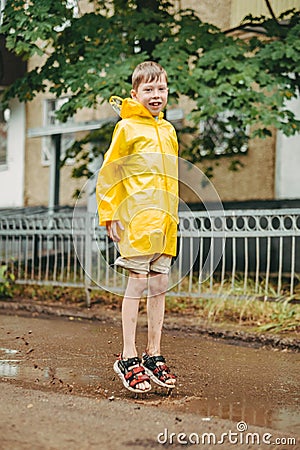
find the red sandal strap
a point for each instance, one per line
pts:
(164, 367)
(134, 375)
(138, 380)
(159, 372)
(134, 371)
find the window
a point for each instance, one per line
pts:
(4, 119)
(218, 135)
(67, 139)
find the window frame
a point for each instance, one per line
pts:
(67, 139)
(4, 128)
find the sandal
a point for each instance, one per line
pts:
(158, 371)
(131, 373)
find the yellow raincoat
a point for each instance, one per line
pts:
(138, 182)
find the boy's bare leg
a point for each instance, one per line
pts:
(137, 283)
(158, 284)
(155, 311)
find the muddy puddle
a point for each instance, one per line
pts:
(215, 379)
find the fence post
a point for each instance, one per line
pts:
(88, 259)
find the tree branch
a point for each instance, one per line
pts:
(257, 28)
(245, 27)
(271, 11)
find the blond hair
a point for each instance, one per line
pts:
(146, 72)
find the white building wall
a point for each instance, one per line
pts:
(287, 174)
(12, 174)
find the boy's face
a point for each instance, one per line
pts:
(152, 95)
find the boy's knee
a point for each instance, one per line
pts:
(158, 283)
(138, 281)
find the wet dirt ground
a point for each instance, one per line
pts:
(48, 365)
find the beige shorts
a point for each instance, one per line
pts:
(146, 263)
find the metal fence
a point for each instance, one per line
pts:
(244, 253)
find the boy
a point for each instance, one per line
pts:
(137, 195)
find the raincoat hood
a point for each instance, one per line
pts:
(128, 108)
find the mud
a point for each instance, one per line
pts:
(216, 379)
(236, 334)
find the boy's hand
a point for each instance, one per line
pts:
(112, 229)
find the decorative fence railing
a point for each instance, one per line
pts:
(245, 253)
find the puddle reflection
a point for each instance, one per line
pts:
(8, 351)
(285, 419)
(9, 367)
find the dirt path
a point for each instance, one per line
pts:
(58, 390)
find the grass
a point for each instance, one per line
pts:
(279, 316)
(261, 316)
(238, 286)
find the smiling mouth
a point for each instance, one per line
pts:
(155, 104)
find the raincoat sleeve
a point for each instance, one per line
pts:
(109, 188)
